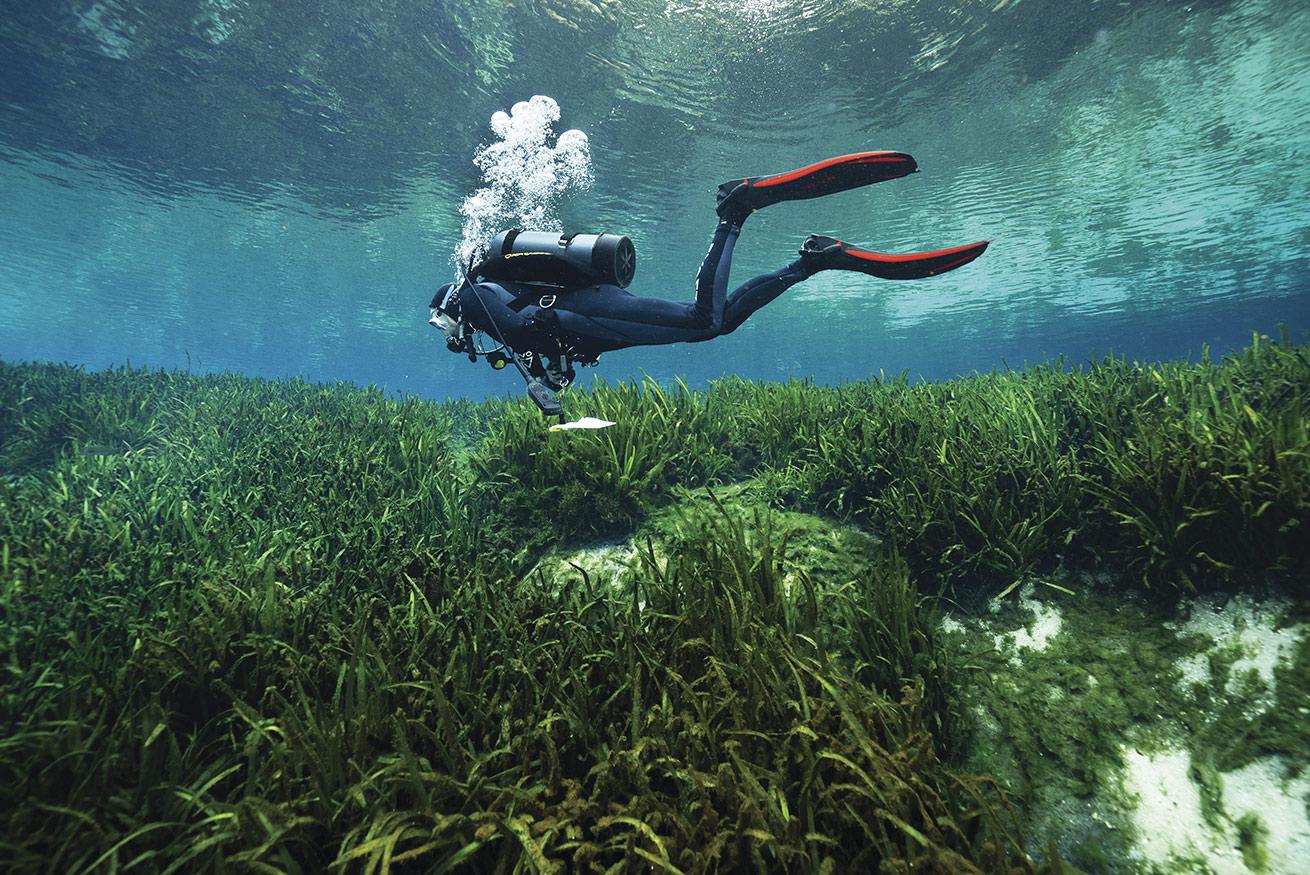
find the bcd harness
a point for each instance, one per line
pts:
(550, 265)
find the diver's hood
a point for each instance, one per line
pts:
(444, 299)
(440, 320)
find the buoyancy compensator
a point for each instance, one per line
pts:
(564, 260)
(559, 261)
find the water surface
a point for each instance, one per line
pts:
(274, 188)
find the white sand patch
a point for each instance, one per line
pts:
(605, 563)
(1248, 626)
(1259, 789)
(951, 625)
(1171, 830)
(1168, 815)
(1195, 669)
(1046, 624)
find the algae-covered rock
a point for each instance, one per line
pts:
(826, 551)
(1142, 736)
(606, 563)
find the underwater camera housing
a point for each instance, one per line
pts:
(567, 260)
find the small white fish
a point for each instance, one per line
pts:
(584, 422)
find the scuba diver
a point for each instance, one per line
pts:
(549, 301)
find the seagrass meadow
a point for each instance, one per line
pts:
(280, 627)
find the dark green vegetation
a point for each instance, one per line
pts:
(280, 627)
(1183, 474)
(1252, 836)
(1051, 724)
(1051, 730)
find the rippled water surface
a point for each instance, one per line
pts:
(274, 188)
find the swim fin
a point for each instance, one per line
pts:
(738, 198)
(827, 253)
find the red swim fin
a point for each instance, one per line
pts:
(826, 253)
(740, 197)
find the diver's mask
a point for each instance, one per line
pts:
(445, 323)
(442, 304)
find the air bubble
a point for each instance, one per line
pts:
(524, 177)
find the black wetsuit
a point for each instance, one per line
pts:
(575, 325)
(584, 322)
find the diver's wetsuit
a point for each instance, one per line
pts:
(595, 319)
(576, 325)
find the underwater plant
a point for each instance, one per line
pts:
(289, 627)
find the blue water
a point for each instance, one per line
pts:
(274, 188)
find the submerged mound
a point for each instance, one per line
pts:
(260, 624)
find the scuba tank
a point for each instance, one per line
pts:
(565, 260)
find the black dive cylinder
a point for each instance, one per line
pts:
(560, 259)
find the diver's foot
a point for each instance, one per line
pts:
(733, 204)
(827, 253)
(738, 198)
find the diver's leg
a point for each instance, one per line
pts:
(712, 278)
(759, 291)
(825, 253)
(615, 319)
